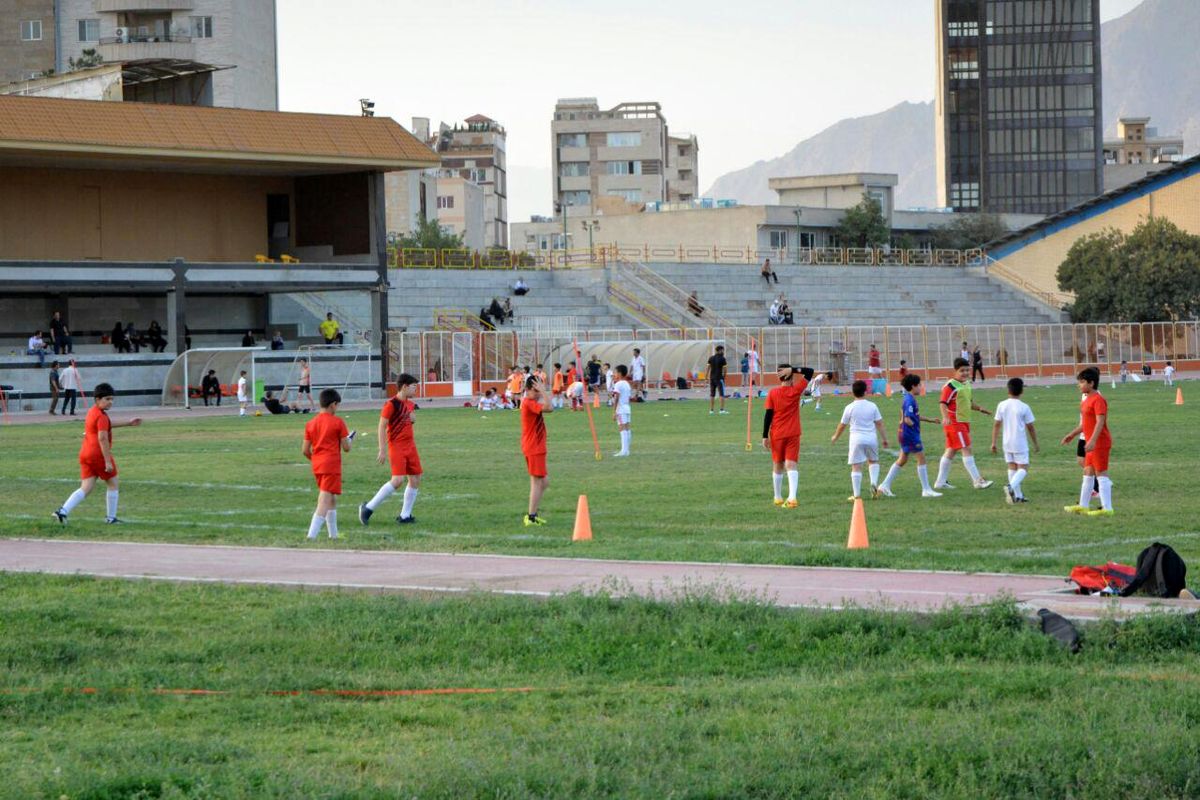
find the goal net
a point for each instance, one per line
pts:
(666, 359)
(351, 369)
(182, 384)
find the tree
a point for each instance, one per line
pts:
(87, 59)
(968, 231)
(1150, 275)
(430, 235)
(864, 225)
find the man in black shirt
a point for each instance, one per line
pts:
(593, 373)
(716, 378)
(210, 386)
(60, 335)
(280, 405)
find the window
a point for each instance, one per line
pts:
(573, 169)
(445, 201)
(89, 30)
(964, 195)
(202, 28)
(31, 30)
(577, 198)
(623, 167)
(779, 240)
(477, 175)
(572, 140)
(624, 139)
(628, 195)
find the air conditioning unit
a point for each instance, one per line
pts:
(122, 34)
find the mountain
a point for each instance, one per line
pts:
(1150, 60)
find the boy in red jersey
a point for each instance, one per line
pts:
(396, 430)
(325, 439)
(533, 445)
(1093, 423)
(956, 406)
(781, 428)
(95, 456)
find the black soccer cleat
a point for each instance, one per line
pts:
(406, 520)
(113, 521)
(61, 516)
(364, 513)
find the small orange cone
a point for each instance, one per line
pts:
(888, 391)
(1179, 395)
(596, 400)
(858, 528)
(922, 388)
(583, 521)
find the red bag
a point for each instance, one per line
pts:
(1112, 576)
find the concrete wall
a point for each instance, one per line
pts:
(402, 197)
(135, 216)
(723, 227)
(18, 58)
(102, 83)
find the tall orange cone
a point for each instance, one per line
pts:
(595, 399)
(858, 528)
(922, 388)
(583, 521)
(1178, 395)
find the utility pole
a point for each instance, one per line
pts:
(798, 212)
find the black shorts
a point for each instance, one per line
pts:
(716, 386)
(302, 389)
(1081, 448)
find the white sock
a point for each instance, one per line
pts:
(385, 491)
(410, 497)
(626, 438)
(856, 482)
(891, 476)
(777, 481)
(943, 471)
(1106, 493)
(331, 522)
(1085, 491)
(75, 499)
(923, 474)
(314, 527)
(793, 476)
(1016, 481)
(242, 411)
(873, 470)
(969, 463)
(110, 501)
(1012, 474)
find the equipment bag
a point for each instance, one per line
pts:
(1060, 628)
(1160, 572)
(1112, 577)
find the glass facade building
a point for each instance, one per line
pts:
(1018, 105)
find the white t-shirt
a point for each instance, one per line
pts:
(623, 390)
(36, 343)
(241, 384)
(1169, 370)
(860, 417)
(608, 380)
(638, 366)
(575, 389)
(753, 359)
(69, 379)
(1014, 415)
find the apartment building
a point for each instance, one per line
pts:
(227, 48)
(1138, 151)
(1018, 104)
(461, 210)
(475, 151)
(624, 152)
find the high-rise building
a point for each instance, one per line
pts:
(475, 151)
(192, 42)
(624, 152)
(1018, 104)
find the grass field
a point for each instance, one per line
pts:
(690, 491)
(626, 699)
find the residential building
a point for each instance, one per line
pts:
(1137, 151)
(837, 191)
(1018, 104)
(214, 52)
(624, 152)
(461, 210)
(475, 151)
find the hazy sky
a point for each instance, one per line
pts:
(751, 79)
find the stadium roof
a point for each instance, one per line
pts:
(40, 126)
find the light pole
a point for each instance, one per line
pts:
(797, 212)
(589, 226)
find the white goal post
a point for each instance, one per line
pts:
(188, 369)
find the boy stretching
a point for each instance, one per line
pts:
(864, 420)
(910, 439)
(325, 439)
(95, 456)
(781, 429)
(396, 428)
(1016, 419)
(1093, 413)
(533, 446)
(956, 405)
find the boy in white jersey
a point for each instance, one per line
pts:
(608, 381)
(242, 394)
(637, 371)
(865, 422)
(1169, 374)
(621, 393)
(1016, 419)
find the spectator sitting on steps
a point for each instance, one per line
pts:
(486, 319)
(331, 330)
(496, 311)
(37, 347)
(277, 341)
(210, 386)
(520, 287)
(248, 339)
(154, 335)
(694, 306)
(768, 273)
(117, 337)
(508, 309)
(135, 339)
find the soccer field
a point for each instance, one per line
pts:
(691, 491)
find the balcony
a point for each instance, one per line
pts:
(134, 46)
(119, 6)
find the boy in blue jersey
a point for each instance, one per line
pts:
(910, 440)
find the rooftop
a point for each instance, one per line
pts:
(839, 179)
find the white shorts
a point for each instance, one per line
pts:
(875, 370)
(863, 448)
(622, 418)
(637, 376)
(1019, 457)
(243, 399)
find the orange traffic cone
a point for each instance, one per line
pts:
(888, 391)
(595, 400)
(922, 388)
(858, 528)
(583, 521)
(1179, 395)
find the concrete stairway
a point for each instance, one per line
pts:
(580, 294)
(858, 295)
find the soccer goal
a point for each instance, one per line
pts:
(182, 384)
(352, 369)
(666, 359)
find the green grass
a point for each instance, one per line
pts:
(690, 492)
(628, 699)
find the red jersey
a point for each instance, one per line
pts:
(97, 422)
(873, 358)
(951, 393)
(903, 371)
(784, 401)
(326, 432)
(399, 416)
(1092, 406)
(571, 376)
(533, 428)
(558, 381)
